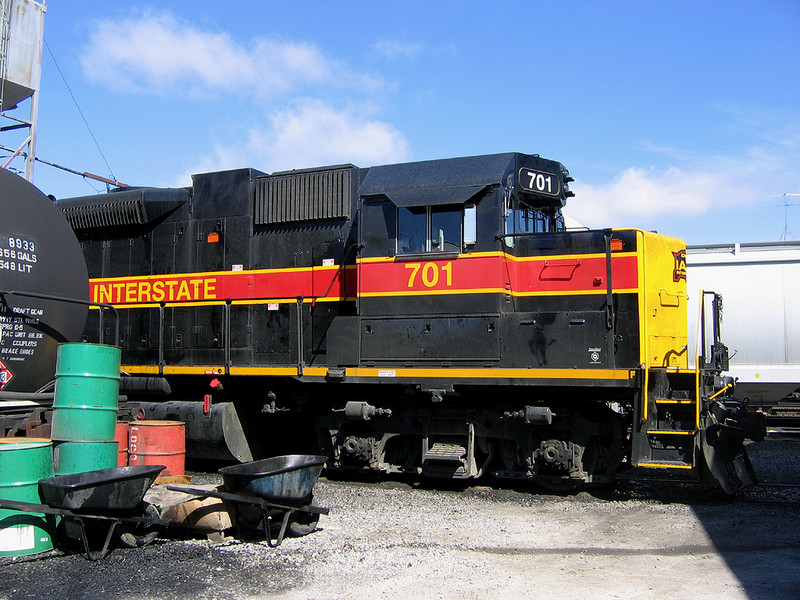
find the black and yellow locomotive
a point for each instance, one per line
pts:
(430, 317)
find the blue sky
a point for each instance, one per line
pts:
(679, 116)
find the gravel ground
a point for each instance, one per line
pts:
(396, 539)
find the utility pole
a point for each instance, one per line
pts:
(786, 233)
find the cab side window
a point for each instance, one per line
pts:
(412, 230)
(429, 229)
(446, 229)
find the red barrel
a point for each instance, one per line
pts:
(121, 435)
(158, 443)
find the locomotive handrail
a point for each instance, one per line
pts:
(502, 236)
(607, 233)
(300, 358)
(427, 255)
(71, 301)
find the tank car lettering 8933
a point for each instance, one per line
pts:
(430, 317)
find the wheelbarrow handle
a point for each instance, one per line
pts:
(252, 500)
(64, 512)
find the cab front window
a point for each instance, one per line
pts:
(525, 219)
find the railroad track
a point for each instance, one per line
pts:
(790, 422)
(773, 493)
(784, 416)
(785, 484)
(786, 433)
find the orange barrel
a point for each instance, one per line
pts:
(158, 443)
(121, 435)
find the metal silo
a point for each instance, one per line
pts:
(21, 41)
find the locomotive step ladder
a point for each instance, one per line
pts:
(667, 430)
(669, 427)
(448, 449)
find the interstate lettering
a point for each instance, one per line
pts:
(159, 290)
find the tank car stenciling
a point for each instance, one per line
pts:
(432, 317)
(40, 264)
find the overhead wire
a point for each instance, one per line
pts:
(80, 112)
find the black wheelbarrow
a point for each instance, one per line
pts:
(281, 487)
(100, 503)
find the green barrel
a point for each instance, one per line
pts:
(87, 389)
(79, 457)
(22, 465)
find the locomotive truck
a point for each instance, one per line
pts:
(433, 317)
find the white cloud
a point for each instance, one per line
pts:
(311, 133)
(397, 49)
(694, 183)
(640, 196)
(405, 49)
(222, 158)
(157, 53)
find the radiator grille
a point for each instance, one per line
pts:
(308, 196)
(120, 208)
(105, 214)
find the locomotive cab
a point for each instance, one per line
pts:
(471, 292)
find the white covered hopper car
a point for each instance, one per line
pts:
(760, 287)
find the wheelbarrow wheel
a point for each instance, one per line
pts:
(303, 523)
(140, 535)
(300, 524)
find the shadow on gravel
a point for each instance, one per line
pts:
(165, 569)
(756, 532)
